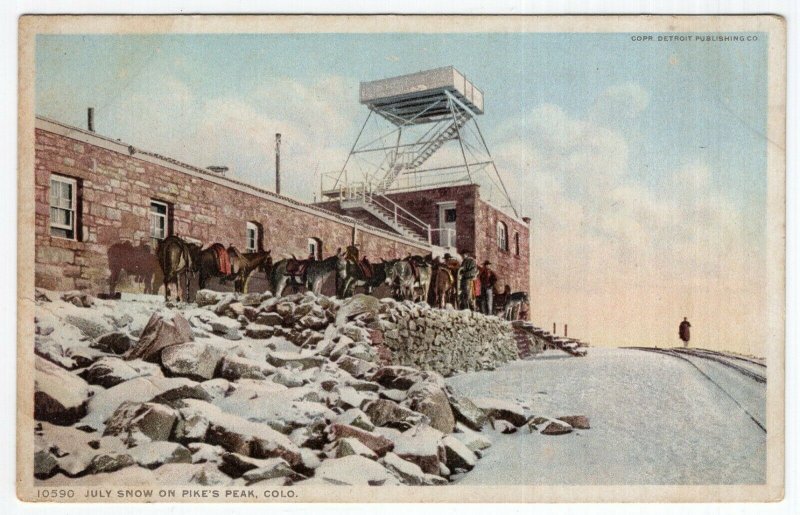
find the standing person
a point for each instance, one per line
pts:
(683, 332)
(468, 273)
(488, 279)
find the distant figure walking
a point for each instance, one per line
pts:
(683, 332)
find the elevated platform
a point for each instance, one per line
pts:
(420, 97)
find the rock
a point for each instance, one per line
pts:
(349, 397)
(276, 468)
(431, 400)
(377, 443)
(283, 359)
(78, 298)
(197, 360)
(242, 436)
(473, 440)
(407, 472)
(383, 412)
(352, 446)
(399, 377)
(466, 412)
(205, 453)
(504, 426)
(203, 474)
(576, 421)
(234, 368)
(421, 445)
(44, 464)
(109, 462)
(356, 367)
(206, 297)
(164, 329)
(286, 311)
(235, 465)
(227, 328)
(357, 418)
(154, 454)
(269, 319)
(154, 421)
(556, 427)
(458, 456)
(259, 332)
(352, 470)
(501, 409)
(194, 391)
(288, 378)
(108, 372)
(59, 397)
(115, 342)
(312, 321)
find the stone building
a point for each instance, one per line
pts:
(102, 205)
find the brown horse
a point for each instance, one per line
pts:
(444, 283)
(176, 257)
(242, 265)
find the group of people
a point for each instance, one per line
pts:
(476, 283)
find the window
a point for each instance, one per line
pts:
(450, 215)
(315, 248)
(253, 237)
(63, 202)
(502, 236)
(516, 243)
(159, 220)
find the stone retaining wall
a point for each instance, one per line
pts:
(446, 341)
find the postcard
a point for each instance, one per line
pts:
(401, 258)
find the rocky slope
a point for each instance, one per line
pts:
(301, 389)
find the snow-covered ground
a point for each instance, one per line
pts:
(654, 418)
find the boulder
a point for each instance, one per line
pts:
(59, 397)
(473, 440)
(466, 412)
(576, 421)
(421, 446)
(259, 331)
(184, 474)
(207, 297)
(108, 372)
(457, 455)
(269, 319)
(383, 412)
(407, 472)
(275, 468)
(154, 454)
(227, 328)
(356, 367)
(111, 461)
(356, 417)
(400, 377)
(352, 470)
(194, 391)
(295, 360)
(377, 443)
(197, 360)
(353, 446)
(504, 426)
(234, 368)
(154, 421)
(165, 328)
(44, 464)
(431, 400)
(78, 298)
(115, 342)
(501, 409)
(205, 453)
(556, 427)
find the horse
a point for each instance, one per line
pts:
(443, 284)
(303, 272)
(354, 274)
(140, 263)
(410, 278)
(242, 265)
(176, 257)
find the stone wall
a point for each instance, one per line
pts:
(116, 184)
(511, 267)
(446, 341)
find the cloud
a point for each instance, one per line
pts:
(621, 257)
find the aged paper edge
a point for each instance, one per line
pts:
(772, 490)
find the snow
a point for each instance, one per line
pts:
(655, 420)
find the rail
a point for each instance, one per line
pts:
(447, 237)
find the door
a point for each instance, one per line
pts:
(447, 224)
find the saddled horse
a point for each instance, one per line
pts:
(360, 273)
(237, 268)
(177, 257)
(444, 283)
(309, 273)
(410, 278)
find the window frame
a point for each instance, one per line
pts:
(502, 236)
(72, 209)
(252, 226)
(165, 217)
(316, 245)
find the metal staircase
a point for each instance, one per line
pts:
(388, 212)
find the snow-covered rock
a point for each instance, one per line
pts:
(164, 328)
(458, 456)
(377, 443)
(108, 372)
(502, 409)
(466, 412)
(197, 360)
(351, 446)
(154, 454)
(153, 421)
(59, 397)
(352, 470)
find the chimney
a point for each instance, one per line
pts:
(278, 163)
(90, 119)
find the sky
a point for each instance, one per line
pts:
(641, 164)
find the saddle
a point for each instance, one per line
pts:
(365, 267)
(297, 267)
(223, 259)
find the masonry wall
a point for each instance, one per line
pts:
(511, 268)
(116, 189)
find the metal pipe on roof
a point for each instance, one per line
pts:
(90, 119)
(278, 163)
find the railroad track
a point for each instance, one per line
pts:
(717, 357)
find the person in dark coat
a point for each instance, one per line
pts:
(488, 280)
(683, 332)
(468, 272)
